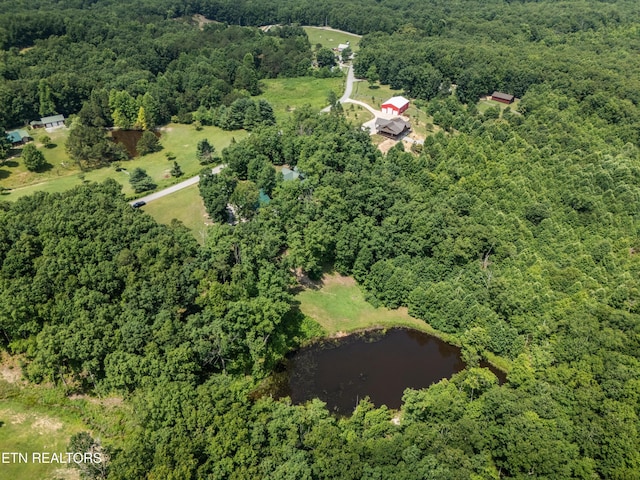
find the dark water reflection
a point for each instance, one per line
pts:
(129, 139)
(341, 372)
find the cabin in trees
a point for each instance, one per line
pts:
(288, 174)
(393, 128)
(18, 137)
(395, 105)
(48, 122)
(502, 97)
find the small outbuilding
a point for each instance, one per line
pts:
(393, 128)
(502, 97)
(18, 137)
(395, 105)
(52, 121)
(263, 198)
(289, 174)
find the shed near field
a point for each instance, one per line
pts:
(395, 105)
(52, 121)
(502, 97)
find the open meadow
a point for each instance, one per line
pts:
(484, 104)
(338, 304)
(63, 174)
(287, 94)
(331, 38)
(184, 205)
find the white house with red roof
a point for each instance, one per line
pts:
(395, 105)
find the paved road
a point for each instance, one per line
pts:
(174, 188)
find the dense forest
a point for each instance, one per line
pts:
(515, 232)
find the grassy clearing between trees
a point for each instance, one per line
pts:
(28, 424)
(28, 429)
(339, 306)
(181, 140)
(287, 94)
(185, 205)
(357, 114)
(483, 105)
(373, 96)
(331, 38)
(42, 418)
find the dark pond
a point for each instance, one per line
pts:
(381, 366)
(129, 139)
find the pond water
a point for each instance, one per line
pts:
(129, 139)
(341, 372)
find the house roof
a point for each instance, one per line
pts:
(502, 96)
(398, 102)
(34, 123)
(52, 119)
(289, 174)
(391, 127)
(263, 198)
(16, 136)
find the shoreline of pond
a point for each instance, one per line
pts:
(379, 363)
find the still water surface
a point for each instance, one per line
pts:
(381, 366)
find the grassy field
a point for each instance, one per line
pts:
(185, 205)
(26, 430)
(339, 307)
(330, 38)
(483, 105)
(14, 174)
(373, 96)
(179, 139)
(357, 114)
(287, 94)
(28, 423)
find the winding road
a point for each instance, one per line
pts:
(174, 188)
(345, 98)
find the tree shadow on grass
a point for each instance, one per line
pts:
(45, 168)
(10, 163)
(50, 146)
(4, 174)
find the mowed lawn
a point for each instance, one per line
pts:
(484, 104)
(357, 114)
(330, 38)
(181, 140)
(287, 94)
(26, 429)
(339, 307)
(185, 205)
(14, 174)
(373, 97)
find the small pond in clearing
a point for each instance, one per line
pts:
(129, 139)
(379, 365)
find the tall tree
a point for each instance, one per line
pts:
(33, 158)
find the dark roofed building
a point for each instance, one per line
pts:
(502, 97)
(392, 128)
